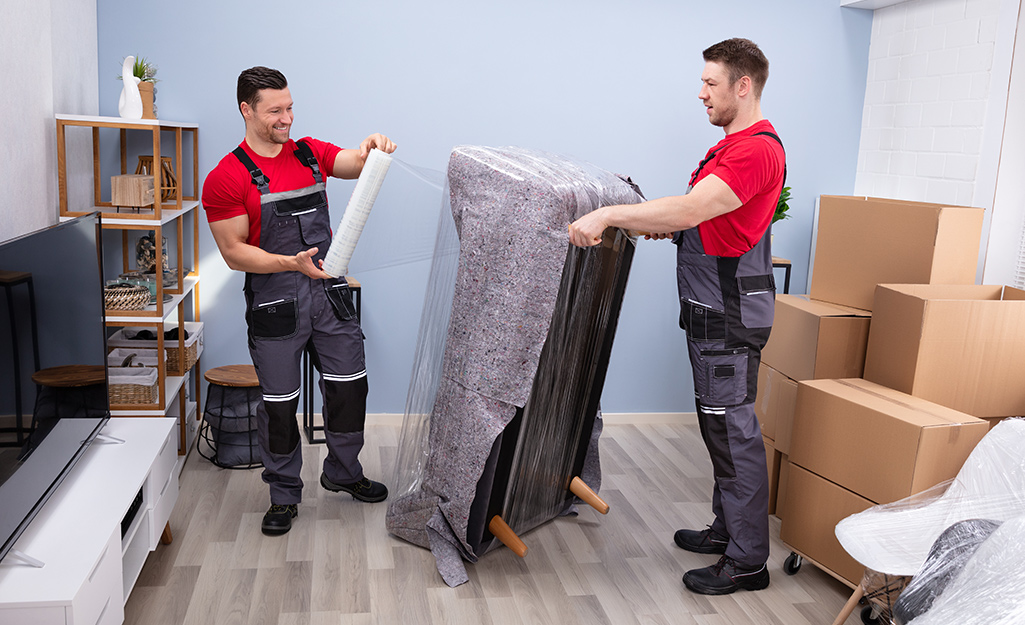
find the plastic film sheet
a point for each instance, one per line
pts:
(896, 539)
(990, 588)
(517, 309)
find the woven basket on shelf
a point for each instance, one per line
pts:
(125, 297)
(133, 385)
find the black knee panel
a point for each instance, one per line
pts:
(345, 405)
(282, 427)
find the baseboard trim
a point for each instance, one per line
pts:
(610, 418)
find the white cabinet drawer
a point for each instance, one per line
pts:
(100, 600)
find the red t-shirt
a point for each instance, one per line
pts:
(753, 168)
(228, 190)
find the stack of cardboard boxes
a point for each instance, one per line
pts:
(870, 387)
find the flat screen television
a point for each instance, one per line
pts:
(52, 280)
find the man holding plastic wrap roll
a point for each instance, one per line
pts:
(727, 296)
(266, 203)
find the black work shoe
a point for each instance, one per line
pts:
(705, 541)
(364, 490)
(726, 576)
(278, 519)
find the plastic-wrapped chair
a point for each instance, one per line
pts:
(990, 589)
(894, 539)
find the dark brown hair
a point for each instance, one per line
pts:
(250, 82)
(741, 57)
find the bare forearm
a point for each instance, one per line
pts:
(666, 214)
(251, 259)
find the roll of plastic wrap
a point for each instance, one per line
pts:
(336, 262)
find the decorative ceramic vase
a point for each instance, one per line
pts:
(130, 104)
(146, 91)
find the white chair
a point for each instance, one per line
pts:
(894, 539)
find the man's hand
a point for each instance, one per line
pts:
(304, 264)
(376, 140)
(587, 230)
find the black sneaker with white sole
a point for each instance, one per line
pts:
(704, 541)
(364, 489)
(725, 577)
(278, 519)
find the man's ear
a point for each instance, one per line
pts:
(744, 86)
(247, 112)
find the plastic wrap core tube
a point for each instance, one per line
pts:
(336, 261)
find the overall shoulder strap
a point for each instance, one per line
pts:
(261, 181)
(306, 157)
(780, 142)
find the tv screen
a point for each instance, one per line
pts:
(51, 329)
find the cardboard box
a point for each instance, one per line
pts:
(814, 506)
(774, 407)
(134, 190)
(813, 340)
(959, 346)
(862, 242)
(783, 486)
(877, 442)
(772, 466)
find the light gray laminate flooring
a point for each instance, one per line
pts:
(339, 565)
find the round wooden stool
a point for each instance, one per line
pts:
(229, 420)
(70, 391)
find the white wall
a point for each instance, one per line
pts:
(935, 110)
(48, 61)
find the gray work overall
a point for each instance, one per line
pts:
(726, 308)
(288, 312)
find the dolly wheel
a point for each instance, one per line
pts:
(792, 564)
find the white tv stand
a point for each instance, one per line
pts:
(89, 570)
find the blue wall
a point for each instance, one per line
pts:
(613, 83)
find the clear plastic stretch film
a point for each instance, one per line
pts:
(897, 538)
(343, 243)
(554, 434)
(486, 319)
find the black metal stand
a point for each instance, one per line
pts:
(10, 279)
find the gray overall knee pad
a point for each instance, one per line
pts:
(345, 405)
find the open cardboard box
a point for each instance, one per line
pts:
(959, 346)
(862, 242)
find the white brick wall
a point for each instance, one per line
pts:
(930, 63)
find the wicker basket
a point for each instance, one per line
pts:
(125, 296)
(193, 345)
(133, 386)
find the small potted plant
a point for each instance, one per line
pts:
(782, 206)
(146, 73)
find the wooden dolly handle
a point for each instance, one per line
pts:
(501, 530)
(588, 496)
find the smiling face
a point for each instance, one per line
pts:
(720, 97)
(270, 120)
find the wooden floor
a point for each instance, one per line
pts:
(338, 565)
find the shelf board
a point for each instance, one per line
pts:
(113, 220)
(148, 315)
(120, 122)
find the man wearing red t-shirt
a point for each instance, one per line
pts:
(727, 297)
(266, 203)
